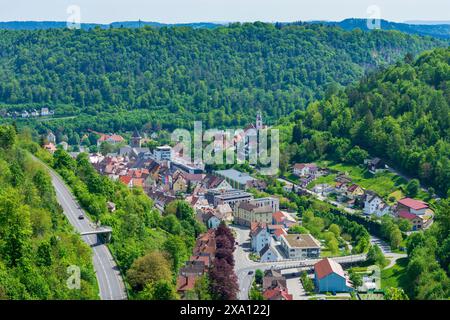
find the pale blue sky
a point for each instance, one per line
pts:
(104, 11)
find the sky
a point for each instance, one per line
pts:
(178, 11)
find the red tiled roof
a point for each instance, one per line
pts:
(278, 217)
(125, 179)
(185, 283)
(326, 266)
(406, 215)
(413, 203)
(138, 182)
(272, 294)
(353, 187)
(279, 232)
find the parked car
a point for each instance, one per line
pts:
(81, 217)
(250, 272)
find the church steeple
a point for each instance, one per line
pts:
(259, 120)
(136, 139)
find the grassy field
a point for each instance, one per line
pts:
(395, 276)
(383, 183)
(329, 179)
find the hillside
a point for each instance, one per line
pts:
(441, 30)
(175, 75)
(37, 244)
(401, 114)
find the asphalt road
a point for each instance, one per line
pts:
(109, 279)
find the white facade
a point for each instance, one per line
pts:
(260, 240)
(163, 153)
(375, 205)
(269, 254)
(274, 203)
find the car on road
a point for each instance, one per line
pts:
(250, 272)
(81, 217)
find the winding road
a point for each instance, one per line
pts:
(110, 282)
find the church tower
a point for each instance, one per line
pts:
(136, 139)
(259, 120)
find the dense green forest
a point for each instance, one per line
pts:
(37, 244)
(120, 78)
(401, 115)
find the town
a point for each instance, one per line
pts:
(276, 257)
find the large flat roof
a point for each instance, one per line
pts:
(235, 175)
(301, 241)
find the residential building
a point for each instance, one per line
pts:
(51, 138)
(304, 169)
(260, 237)
(300, 246)
(330, 277)
(268, 254)
(163, 153)
(375, 165)
(272, 279)
(354, 191)
(230, 197)
(112, 139)
(277, 294)
(274, 286)
(211, 221)
(248, 212)
(412, 206)
(373, 204)
(272, 202)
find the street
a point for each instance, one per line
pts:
(109, 279)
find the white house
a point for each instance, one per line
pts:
(373, 204)
(211, 221)
(268, 254)
(303, 169)
(260, 238)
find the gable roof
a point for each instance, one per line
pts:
(413, 203)
(278, 216)
(406, 215)
(327, 266)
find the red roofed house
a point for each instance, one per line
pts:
(330, 277)
(277, 294)
(185, 283)
(112, 139)
(127, 180)
(50, 147)
(415, 211)
(412, 206)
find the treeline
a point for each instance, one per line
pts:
(149, 247)
(221, 76)
(428, 269)
(401, 115)
(37, 244)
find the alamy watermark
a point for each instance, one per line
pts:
(74, 19)
(74, 280)
(374, 17)
(257, 146)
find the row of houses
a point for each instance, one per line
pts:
(199, 263)
(33, 113)
(351, 194)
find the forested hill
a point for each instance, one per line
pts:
(37, 244)
(401, 114)
(433, 30)
(175, 75)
